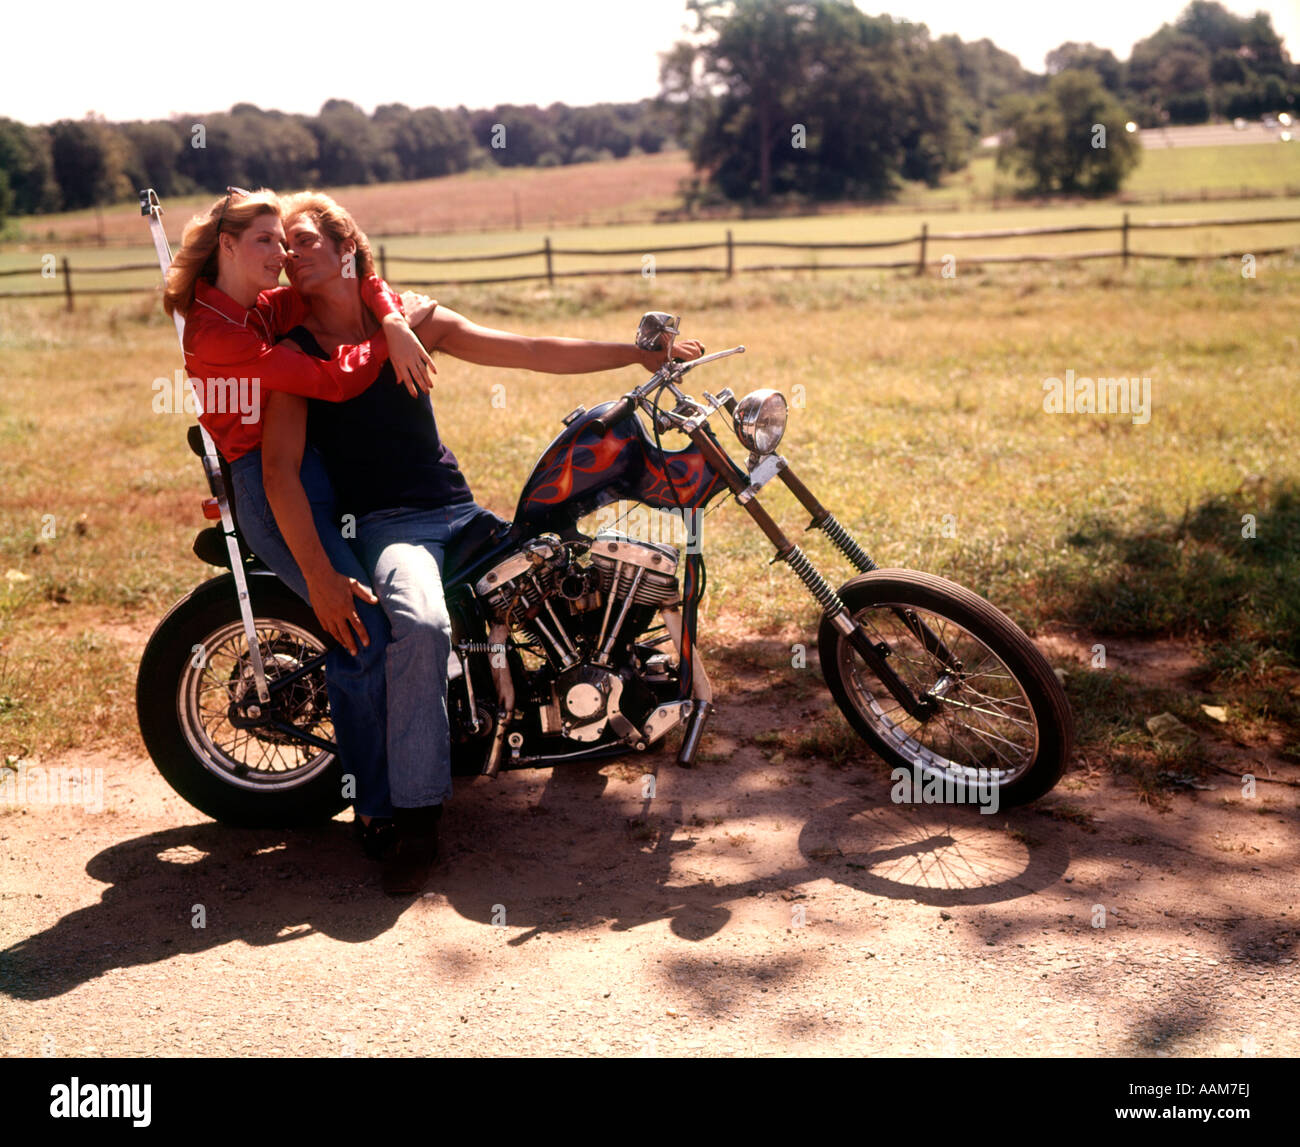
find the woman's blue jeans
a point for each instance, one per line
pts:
(357, 685)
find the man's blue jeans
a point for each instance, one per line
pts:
(403, 549)
(357, 686)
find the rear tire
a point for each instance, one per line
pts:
(248, 778)
(1014, 722)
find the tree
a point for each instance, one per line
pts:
(28, 168)
(89, 158)
(350, 146)
(1053, 138)
(1087, 57)
(154, 151)
(986, 75)
(816, 99)
(758, 53)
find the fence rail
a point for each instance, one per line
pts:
(548, 253)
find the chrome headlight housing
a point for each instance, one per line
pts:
(760, 420)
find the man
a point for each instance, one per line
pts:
(406, 492)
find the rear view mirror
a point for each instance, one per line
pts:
(654, 325)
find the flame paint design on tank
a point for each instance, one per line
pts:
(583, 470)
(694, 481)
(556, 472)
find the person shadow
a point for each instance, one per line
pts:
(194, 888)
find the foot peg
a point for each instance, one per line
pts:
(691, 741)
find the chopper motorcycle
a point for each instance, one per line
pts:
(569, 647)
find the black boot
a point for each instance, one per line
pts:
(378, 838)
(407, 867)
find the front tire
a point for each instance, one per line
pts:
(196, 665)
(1001, 719)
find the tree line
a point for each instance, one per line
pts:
(796, 99)
(74, 164)
(816, 99)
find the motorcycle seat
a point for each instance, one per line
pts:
(483, 535)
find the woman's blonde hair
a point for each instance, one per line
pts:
(333, 220)
(197, 259)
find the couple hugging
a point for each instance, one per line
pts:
(343, 425)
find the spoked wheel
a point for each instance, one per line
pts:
(996, 716)
(192, 695)
(213, 691)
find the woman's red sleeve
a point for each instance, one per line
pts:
(380, 298)
(242, 354)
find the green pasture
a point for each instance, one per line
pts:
(917, 416)
(1180, 171)
(637, 241)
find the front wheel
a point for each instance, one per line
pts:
(995, 713)
(193, 678)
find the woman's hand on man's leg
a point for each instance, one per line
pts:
(333, 598)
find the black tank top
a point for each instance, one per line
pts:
(381, 448)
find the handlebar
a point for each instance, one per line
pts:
(666, 375)
(622, 408)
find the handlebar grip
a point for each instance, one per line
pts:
(621, 409)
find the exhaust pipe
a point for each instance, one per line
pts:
(691, 741)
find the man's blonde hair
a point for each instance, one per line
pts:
(333, 220)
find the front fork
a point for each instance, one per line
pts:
(922, 708)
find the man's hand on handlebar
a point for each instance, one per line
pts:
(683, 351)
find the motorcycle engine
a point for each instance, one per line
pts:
(583, 619)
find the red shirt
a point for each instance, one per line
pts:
(231, 357)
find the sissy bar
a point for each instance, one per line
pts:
(152, 209)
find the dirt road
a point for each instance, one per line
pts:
(754, 905)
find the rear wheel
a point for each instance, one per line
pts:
(997, 714)
(193, 677)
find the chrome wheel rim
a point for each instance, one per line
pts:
(984, 731)
(257, 760)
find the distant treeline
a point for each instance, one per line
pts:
(806, 99)
(816, 99)
(81, 163)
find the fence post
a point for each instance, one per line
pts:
(925, 231)
(383, 263)
(67, 282)
(550, 272)
(1124, 244)
(730, 256)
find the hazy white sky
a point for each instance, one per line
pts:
(62, 58)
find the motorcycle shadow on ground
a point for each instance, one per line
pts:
(631, 871)
(549, 853)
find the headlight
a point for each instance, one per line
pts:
(760, 420)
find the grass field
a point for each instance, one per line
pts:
(919, 420)
(1162, 171)
(847, 228)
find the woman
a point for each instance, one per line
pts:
(224, 280)
(406, 492)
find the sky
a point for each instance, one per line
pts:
(61, 60)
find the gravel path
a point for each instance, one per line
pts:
(754, 906)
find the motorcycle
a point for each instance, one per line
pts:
(571, 647)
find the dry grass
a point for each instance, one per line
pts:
(912, 400)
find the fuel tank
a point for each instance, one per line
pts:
(583, 470)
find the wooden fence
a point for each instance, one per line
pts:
(923, 242)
